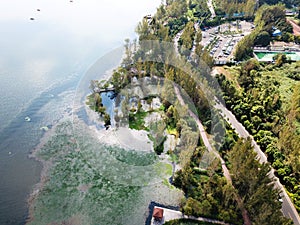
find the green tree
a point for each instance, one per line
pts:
(143, 30)
(177, 8)
(101, 110)
(98, 100)
(263, 39)
(107, 122)
(254, 186)
(187, 38)
(128, 53)
(248, 73)
(280, 59)
(244, 47)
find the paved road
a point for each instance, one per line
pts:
(296, 28)
(288, 208)
(211, 8)
(210, 149)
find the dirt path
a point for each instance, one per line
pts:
(296, 28)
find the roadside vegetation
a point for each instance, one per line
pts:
(207, 192)
(209, 195)
(268, 18)
(250, 179)
(268, 105)
(254, 93)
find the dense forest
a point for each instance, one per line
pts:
(287, 3)
(229, 7)
(248, 7)
(251, 180)
(265, 98)
(209, 194)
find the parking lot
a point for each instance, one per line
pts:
(221, 41)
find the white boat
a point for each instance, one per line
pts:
(45, 128)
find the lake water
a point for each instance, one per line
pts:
(41, 63)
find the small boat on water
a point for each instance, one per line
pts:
(45, 128)
(27, 118)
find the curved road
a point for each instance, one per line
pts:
(210, 149)
(288, 209)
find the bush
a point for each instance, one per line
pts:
(263, 39)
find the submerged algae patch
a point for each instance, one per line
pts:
(90, 183)
(132, 157)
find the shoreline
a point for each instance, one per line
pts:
(110, 140)
(115, 136)
(46, 165)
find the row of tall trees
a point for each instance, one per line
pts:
(229, 7)
(258, 105)
(208, 193)
(257, 191)
(186, 40)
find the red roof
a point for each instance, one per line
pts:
(158, 213)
